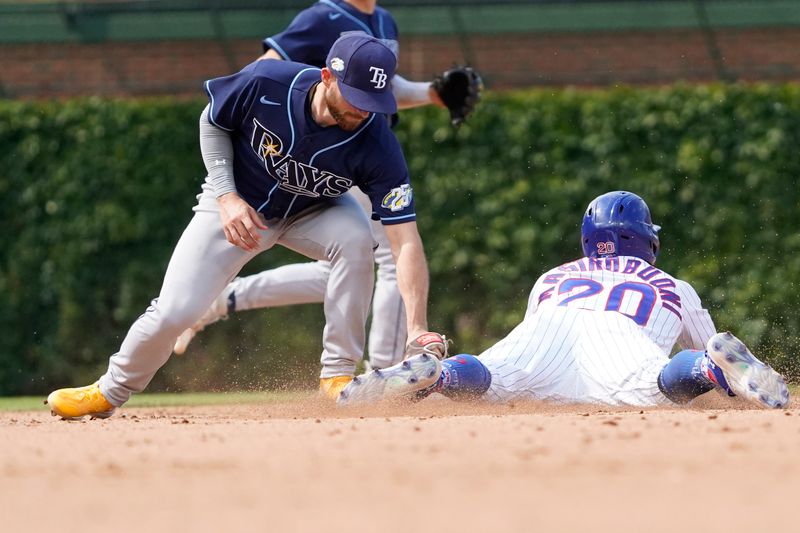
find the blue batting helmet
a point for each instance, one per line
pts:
(619, 223)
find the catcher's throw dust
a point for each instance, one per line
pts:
(307, 39)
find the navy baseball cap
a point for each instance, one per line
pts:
(364, 67)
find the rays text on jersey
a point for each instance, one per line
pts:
(294, 176)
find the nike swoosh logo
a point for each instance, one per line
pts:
(334, 16)
(268, 102)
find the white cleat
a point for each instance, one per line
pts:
(224, 304)
(399, 381)
(740, 373)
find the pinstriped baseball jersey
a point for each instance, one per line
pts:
(667, 309)
(598, 331)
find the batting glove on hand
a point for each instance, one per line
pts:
(460, 90)
(429, 343)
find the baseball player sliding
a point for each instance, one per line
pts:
(597, 330)
(283, 142)
(307, 40)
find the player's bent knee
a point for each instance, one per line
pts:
(173, 319)
(172, 324)
(356, 248)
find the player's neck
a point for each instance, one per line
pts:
(365, 6)
(319, 111)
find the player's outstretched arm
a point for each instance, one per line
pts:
(458, 89)
(412, 274)
(414, 93)
(413, 281)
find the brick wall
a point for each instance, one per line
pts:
(506, 60)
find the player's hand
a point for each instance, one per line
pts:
(240, 222)
(430, 343)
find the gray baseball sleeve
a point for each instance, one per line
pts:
(216, 148)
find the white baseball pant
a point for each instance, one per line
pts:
(576, 356)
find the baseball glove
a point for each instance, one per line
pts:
(460, 90)
(430, 343)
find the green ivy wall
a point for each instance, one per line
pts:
(94, 194)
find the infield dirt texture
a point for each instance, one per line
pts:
(435, 466)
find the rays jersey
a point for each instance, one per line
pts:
(285, 162)
(312, 32)
(666, 309)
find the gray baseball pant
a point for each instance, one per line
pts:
(204, 262)
(303, 283)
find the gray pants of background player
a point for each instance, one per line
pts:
(304, 283)
(204, 262)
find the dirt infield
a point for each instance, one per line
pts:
(436, 465)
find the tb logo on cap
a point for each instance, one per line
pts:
(378, 77)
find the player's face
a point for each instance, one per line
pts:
(346, 116)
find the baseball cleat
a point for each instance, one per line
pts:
(219, 310)
(740, 373)
(398, 381)
(331, 387)
(72, 404)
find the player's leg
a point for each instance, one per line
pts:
(299, 283)
(339, 234)
(685, 376)
(463, 377)
(728, 364)
(574, 356)
(536, 360)
(509, 370)
(202, 263)
(617, 362)
(532, 361)
(387, 332)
